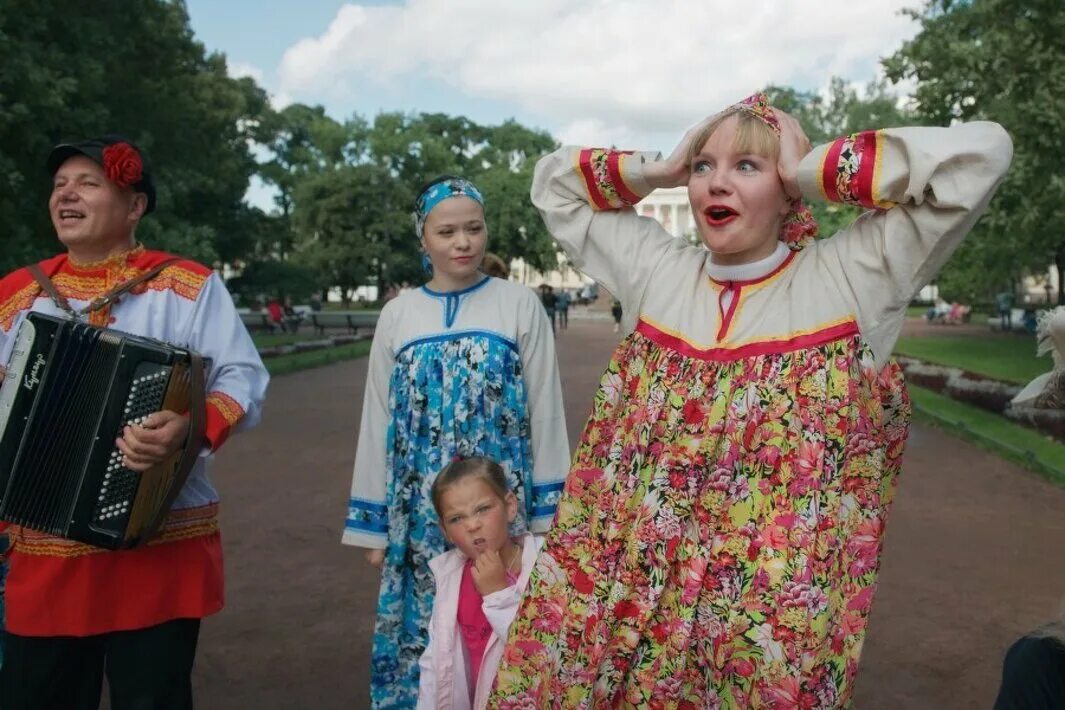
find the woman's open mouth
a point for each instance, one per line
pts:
(719, 215)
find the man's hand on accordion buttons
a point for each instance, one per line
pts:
(153, 441)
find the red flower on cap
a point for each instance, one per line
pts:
(123, 164)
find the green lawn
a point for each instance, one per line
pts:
(295, 362)
(270, 340)
(995, 433)
(1003, 357)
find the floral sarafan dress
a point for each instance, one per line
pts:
(718, 539)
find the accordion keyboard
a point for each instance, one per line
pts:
(119, 486)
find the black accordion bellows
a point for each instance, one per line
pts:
(70, 390)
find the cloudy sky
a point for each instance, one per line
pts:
(631, 73)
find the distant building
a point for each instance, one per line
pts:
(668, 206)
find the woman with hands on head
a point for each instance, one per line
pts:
(718, 539)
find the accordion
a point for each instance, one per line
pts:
(70, 390)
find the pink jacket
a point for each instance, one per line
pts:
(444, 666)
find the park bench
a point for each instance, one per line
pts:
(351, 320)
(257, 320)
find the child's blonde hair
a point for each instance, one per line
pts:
(484, 468)
(753, 136)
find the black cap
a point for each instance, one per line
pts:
(93, 149)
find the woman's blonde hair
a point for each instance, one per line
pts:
(753, 136)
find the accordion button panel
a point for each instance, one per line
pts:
(119, 485)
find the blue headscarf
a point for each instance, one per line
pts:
(439, 191)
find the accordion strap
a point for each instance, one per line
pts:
(49, 288)
(99, 302)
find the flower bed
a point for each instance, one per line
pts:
(984, 392)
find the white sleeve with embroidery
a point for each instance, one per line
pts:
(367, 519)
(547, 417)
(216, 331)
(927, 188)
(583, 197)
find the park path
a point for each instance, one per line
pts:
(973, 557)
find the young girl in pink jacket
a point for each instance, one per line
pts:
(478, 584)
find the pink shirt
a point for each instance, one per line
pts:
(473, 624)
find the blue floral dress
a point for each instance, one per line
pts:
(472, 387)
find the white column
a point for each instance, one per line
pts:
(675, 227)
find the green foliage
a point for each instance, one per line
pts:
(355, 227)
(841, 111)
(285, 364)
(274, 279)
(73, 70)
(992, 432)
(1001, 60)
(352, 197)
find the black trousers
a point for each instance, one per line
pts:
(147, 669)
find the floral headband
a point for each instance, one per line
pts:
(440, 191)
(799, 226)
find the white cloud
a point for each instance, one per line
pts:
(239, 70)
(280, 100)
(593, 131)
(630, 67)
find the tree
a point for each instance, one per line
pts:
(355, 227)
(303, 142)
(273, 279)
(842, 111)
(352, 200)
(135, 69)
(1000, 60)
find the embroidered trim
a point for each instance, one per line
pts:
(22, 300)
(85, 282)
(602, 173)
(738, 289)
(545, 497)
(184, 524)
(367, 517)
(851, 170)
(114, 261)
(228, 407)
(726, 316)
(453, 299)
(761, 281)
(183, 282)
(85, 287)
(770, 346)
(459, 335)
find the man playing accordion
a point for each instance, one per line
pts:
(73, 610)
